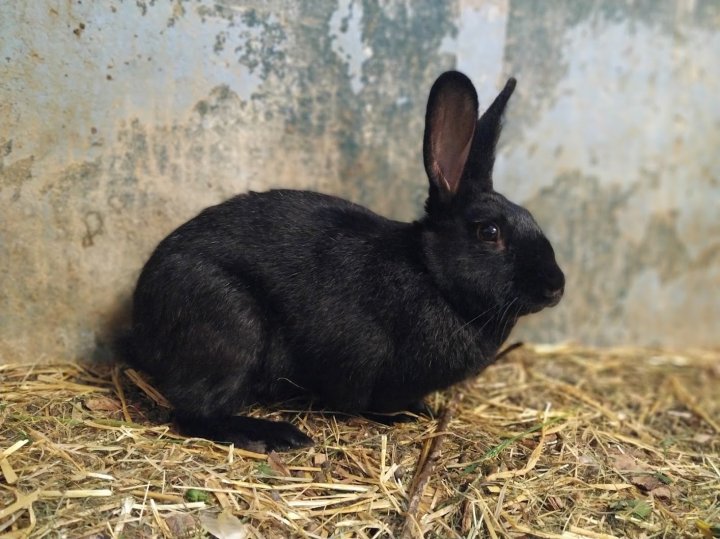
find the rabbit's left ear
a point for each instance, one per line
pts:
(450, 122)
(481, 160)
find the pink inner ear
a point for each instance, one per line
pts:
(453, 128)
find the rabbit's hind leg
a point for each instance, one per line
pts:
(221, 356)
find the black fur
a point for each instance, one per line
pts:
(273, 295)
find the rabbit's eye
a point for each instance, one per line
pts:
(488, 232)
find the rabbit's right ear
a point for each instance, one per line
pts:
(450, 120)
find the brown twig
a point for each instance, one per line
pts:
(509, 348)
(411, 528)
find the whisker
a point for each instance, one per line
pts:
(473, 320)
(500, 309)
(517, 311)
(503, 318)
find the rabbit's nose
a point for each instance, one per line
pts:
(553, 295)
(554, 286)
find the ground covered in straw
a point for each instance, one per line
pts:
(549, 442)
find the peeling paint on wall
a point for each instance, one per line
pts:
(118, 121)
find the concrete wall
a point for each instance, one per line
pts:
(120, 120)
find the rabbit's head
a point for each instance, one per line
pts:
(486, 251)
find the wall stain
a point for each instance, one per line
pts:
(93, 227)
(5, 149)
(15, 175)
(79, 30)
(661, 248)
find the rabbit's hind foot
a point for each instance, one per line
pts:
(252, 434)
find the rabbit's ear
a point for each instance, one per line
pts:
(482, 153)
(450, 121)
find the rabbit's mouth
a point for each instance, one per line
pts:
(533, 308)
(548, 299)
(554, 296)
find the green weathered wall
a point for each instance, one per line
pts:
(120, 120)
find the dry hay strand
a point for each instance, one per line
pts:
(550, 442)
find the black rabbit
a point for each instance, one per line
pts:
(272, 295)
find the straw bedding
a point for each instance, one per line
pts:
(550, 442)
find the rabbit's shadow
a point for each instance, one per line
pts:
(114, 323)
